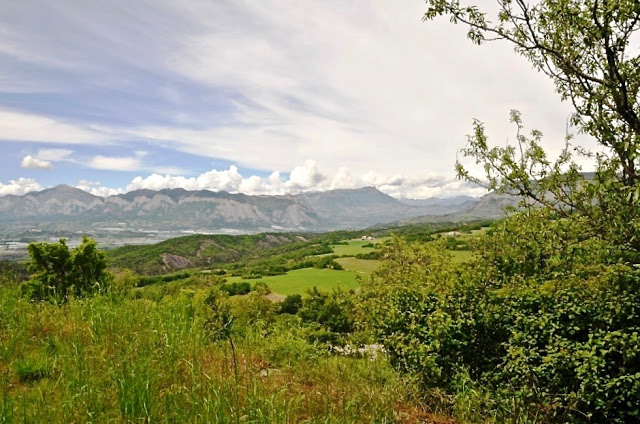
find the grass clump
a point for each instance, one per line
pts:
(30, 370)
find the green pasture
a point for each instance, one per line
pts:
(300, 280)
(355, 247)
(363, 266)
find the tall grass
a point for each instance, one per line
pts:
(114, 359)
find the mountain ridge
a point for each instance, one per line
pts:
(68, 208)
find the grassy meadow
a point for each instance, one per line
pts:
(356, 246)
(116, 359)
(300, 280)
(361, 266)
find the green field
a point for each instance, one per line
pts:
(363, 266)
(298, 281)
(354, 247)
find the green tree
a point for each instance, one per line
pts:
(291, 304)
(585, 47)
(330, 310)
(58, 272)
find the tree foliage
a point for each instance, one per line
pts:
(58, 272)
(587, 48)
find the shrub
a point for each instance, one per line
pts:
(252, 309)
(377, 254)
(261, 288)
(547, 323)
(31, 370)
(58, 272)
(218, 319)
(291, 304)
(330, 310)
(234, 289)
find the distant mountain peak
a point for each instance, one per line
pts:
(62, 190)
(72, 209)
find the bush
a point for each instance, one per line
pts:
(252, 309)
(557, 335)
(58, 272)
(370, 255)
(234, 289)
(31, 370)
(218, 319)
(291, 304)
(261, 288)
(330, 310)
(167, 278)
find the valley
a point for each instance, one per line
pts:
(146, 217)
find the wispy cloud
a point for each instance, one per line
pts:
(54, 155)
(16, 126)
(354, 85)
(115, 163)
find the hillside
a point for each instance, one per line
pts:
(198, 251)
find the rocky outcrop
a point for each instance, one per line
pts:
(172, 262)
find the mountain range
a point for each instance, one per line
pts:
(65, 208)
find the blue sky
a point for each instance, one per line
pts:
(255, 97)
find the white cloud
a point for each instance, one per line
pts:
(227, 180)
(17, 126)
(305, 177)
(130, 164)
(95, 188)
(86, 184)
(422, 189)
(115, 163)
(44, 158)
(302, 178)
(171, 170)
(34, 163)
(54, 155)
(19, 187)
(376, 179)
(275, 179)
(344, 179)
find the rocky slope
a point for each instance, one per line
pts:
(65, 208)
